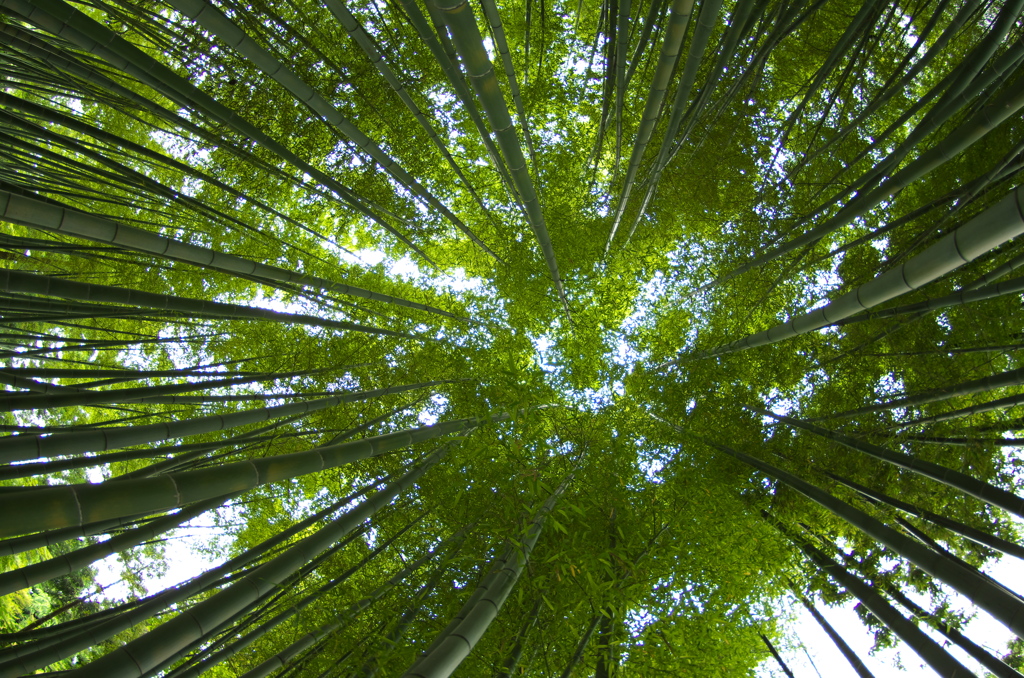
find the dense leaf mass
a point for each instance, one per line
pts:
(519, 337)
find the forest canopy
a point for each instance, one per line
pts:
(525, 338)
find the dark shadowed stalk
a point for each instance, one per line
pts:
(966, 531)
(1006, 608)
(29, 575)
(943, 663)
(855, 662)
(979, 489)
(54, 644)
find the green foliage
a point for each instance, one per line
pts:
(676, 556)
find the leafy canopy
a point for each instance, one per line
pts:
(531, 244)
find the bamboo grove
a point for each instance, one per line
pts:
(532, 338)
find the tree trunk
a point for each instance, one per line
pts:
(974, 534)
(976, 488)
(581, 647)
(1008, 609)
(993, 227)
(931, 652)
(778, 657)
(145, 653)
(511, 663)
(29, 575)
(847, 651)
(469, 625)
(24, 448)
(55, 645)
(989, 383)
(66, 505)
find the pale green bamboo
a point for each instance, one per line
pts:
(46, 352)
(621, 47)
(695, 55)
(672, 141)
(998, 404)
(25, 447)
(980, 654)
(196, 450)
(51, 507)
(921, 536)
(24, 41)
(48, 217)
(993, 227)
(372, 665)
(496, 567)
(366, 426)
(671, 47)
(966, 442)
(59, 18)
(942, 350)
(44, 142)
(511, 663)
(9, 547)
(32, 283)
(999, 110)
(234, 398)
(309, 639)
(29, 575)
(1000, 68)
(137, 150)
(989, 383)
(964, 87)
(249, 638)
(96, 629)
(366, 43)
(185, 453)
(581, 647)
(740, 25)
(9, 378)
(500, 42)
(958, 298)
(943, 663)
(1007, 609)
(244, 620)
(653, 14)
(118, 375)
(855, 662)
(467, 627)
(839, 50)
(469, 44)
(214, 21)
(220, 630)
(11, 471)
(428, 36)
(144, 653)
(907, 76)
(49, 401)
(955, 526)
(999, 271)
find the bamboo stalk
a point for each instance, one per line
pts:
(993, 227)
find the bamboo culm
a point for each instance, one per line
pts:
(143, 653)
(63, 506)
(993, 227)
